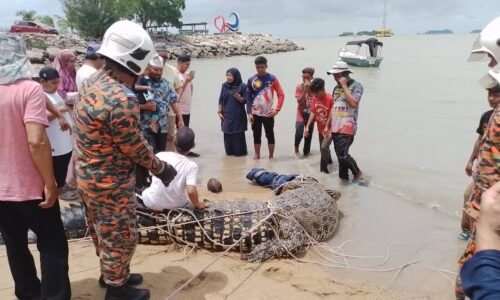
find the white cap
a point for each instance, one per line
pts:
(157, 61)
(339, 67)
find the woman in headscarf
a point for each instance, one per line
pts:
(232, 113)
(64, 63)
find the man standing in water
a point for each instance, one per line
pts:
(185, 91)
(109, 144)
(304, 96)
(343, 121)
(260, 99)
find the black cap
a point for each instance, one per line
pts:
(48, 73)
(495, 89)
(184, 139)
(183, 58)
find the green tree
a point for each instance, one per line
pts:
(158, 12)
(47, 20)
(26, 14)
(91, 17)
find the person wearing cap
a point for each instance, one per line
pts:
(109, 144)
(60, 141)
(92, 63)
(342, 123)
(156, 95)
(182, 189)
(259, 97)
(28, 190)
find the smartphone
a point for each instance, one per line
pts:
(191, 73)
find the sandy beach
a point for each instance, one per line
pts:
(166, 268)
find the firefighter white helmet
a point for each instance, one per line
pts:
(128, 44)
(488, 42)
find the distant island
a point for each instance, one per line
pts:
(476, 31)
(346, 34)
(444, 31)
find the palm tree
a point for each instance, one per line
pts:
(47, 20)
(26, 14)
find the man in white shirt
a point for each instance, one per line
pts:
(93, 62)
(183, 188)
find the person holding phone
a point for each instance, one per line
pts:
(232, 113)
(303, 95)
(185, 91)
(342, 123)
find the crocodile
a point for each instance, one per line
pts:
(300, 211)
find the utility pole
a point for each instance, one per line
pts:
(384, 20)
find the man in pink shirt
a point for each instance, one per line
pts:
(28, 191)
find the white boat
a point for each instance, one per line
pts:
(365, 53)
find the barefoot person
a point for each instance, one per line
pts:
(28, 191)
(108, 146)
(321, 107)
(261, 89)
(343, 121)
(231, 111)
(303, 96)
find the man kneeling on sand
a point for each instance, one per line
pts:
(159, 197)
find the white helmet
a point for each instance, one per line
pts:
(488, 42)
(128, 44)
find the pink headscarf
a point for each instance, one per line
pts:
(67, 76)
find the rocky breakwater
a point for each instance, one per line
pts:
(42, 48)
(230, 44)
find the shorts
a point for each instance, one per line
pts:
(60, 165)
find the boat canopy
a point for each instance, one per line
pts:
(372, 43)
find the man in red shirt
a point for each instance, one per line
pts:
(321, 106)
(303, 96)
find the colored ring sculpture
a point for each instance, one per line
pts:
(222, 25)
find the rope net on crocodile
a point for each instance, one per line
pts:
(302, 209)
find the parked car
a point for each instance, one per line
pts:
(32, 26)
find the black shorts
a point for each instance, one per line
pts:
(60, 165)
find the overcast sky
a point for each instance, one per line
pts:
(294, 18)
